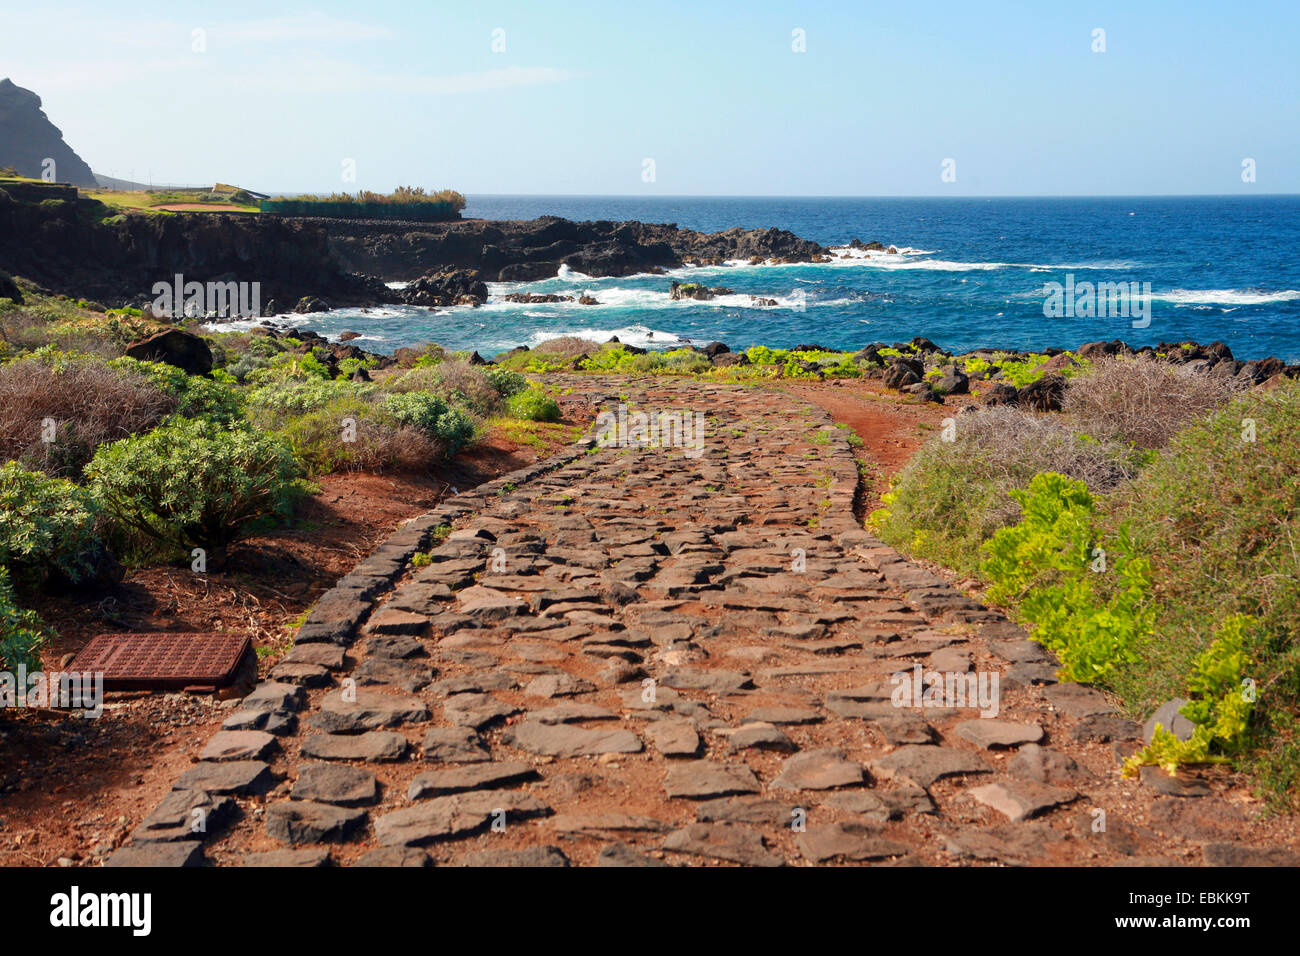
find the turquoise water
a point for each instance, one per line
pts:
(969, 273)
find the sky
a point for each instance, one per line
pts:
(675, 98)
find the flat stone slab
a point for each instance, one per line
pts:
(239, 745)
(923, 765)
(477, 711)
(723, 841)
(562, 740)
(1041, 765)
(302, 821)
(990, 733)
(570, 712)
(184, 815)
(823, 769)
(758, 736)
(702, 779)
(905, 728)
(162, 855)
(370, 710)
(705, 679)
(454, 745)
(333, 783)
(302, 859)
(1021, 799)
(1074, 700)
(396, 856)
(1174, 785)
(746, 810)
(239, 777)
(455, 815)
(783, 715)
(558, 685)
(620, 854)
(532, 857)
(480, 776)
(847, 841)
(673, 738)
(606, 823)
(378, 745)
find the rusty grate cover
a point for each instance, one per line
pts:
(163, 661)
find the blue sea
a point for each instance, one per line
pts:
(968, 273)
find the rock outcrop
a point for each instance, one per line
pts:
(29, 142)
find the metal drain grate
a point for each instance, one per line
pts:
(163, 661)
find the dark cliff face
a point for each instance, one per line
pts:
(64, 247)
(536, 248)
(28, 139)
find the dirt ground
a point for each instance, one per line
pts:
(72, 788)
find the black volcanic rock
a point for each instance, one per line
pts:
(28, 139)
(175, 347)
(449, 287)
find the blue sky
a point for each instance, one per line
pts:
(585, 92)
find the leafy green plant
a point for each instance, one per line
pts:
(431, 413)
(194, 483)
(533, 405)
(46, 524)
(21, 632)
(505, 381)
(196, 396)
(1222, 700)
(1045, 567)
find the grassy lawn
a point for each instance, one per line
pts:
(150, 201)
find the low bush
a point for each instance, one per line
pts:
(46, 525)
(533, 405)
(1144, 402)
(954, 494)
(430, 413)
(351, 434)
(195, 396)
(56, 410)
(1046, 567)
(194, 483)
(21, 631)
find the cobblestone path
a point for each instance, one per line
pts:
(651, 656)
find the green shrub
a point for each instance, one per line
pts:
(534, 405)
(46, 524)
(195, 395)
(953, 495)
(1218, 516)
(21, 631)
(298, 396)
(353, 434)
(505, 381)
(1046, 567)
(193, 483)
(429, 412)
(1222, 699)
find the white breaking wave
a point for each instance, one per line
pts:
(638, 335)
(1225, 296)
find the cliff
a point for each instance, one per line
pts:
(28, 139)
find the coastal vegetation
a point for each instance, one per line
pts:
(405, 202)
(111, 460)
(1146, 534)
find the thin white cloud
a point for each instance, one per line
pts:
(309, 75)
(311, 26)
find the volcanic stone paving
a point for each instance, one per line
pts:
(640, 656)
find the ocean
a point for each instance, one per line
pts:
(968, 273)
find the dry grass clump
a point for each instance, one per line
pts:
(53, 415)
(568, 346)
(1142, 401)
(454, 379)
(954, 495)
